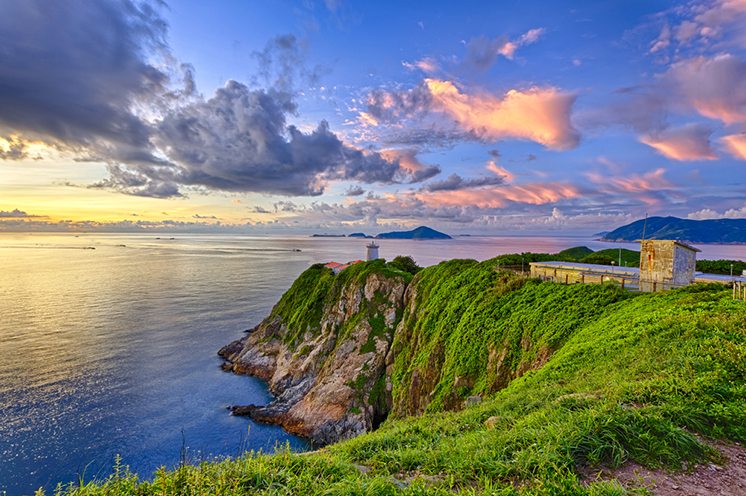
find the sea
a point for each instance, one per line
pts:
(108, 342)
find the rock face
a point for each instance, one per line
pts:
(322, 352)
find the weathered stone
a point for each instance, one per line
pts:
(323, 394)
(492, 422)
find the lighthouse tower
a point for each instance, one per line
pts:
(372, 251)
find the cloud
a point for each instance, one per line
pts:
(537, 114)
(701, 24)
(427, 65)
(689, 142)
(735, 144)
(413, 169)
(502, 172)
(708, 213)
(456, 182)
(437, 112)
(651, 188)
(714, 86)
(198, 216)
(354, 191)
(500, 196)
(481, 52)
(15, 214)
(12, 149)
(81, 79)
(72, 74)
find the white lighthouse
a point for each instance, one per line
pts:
(372, 251)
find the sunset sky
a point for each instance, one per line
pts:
(267, 117)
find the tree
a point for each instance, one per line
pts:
(405, 264)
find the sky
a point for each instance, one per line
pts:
(336, 116)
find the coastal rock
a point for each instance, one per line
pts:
(327, 375)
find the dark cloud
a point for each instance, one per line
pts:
(239, 140)
(74, 75)
(456, 182)
(72, 71)
(282, 65)
(391, 106)
(481, 52)
(494, 153)
(15, 214)
(16, 150)
(355, 191)
(198, 216)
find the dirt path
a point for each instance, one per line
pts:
(705, 480)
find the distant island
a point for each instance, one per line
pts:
(422, 232)
(720, 231)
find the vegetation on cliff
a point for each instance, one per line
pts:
(573, 378)
(469, 329)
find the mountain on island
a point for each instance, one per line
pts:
(422, 232)
(725, 231)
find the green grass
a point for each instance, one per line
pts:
(642, 377)
(721, 266)
(630, 258)
(302, 306)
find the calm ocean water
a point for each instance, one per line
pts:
(112, 351)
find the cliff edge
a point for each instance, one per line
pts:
(322, 351)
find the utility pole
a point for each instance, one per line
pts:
(731, 272)
(620, 257)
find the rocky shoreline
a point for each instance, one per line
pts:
(328, 381)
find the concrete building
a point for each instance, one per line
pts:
(666, 264)
(372, 251)
(576, 272)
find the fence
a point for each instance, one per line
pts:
(739, 290)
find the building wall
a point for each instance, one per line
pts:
(568, 275)
(684, 265)
(664, 264)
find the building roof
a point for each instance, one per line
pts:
(585, 267)
(338, 267)
(674, 241)
(630, 271)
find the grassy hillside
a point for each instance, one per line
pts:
(646, 378)
(470, 329)
(302, 306)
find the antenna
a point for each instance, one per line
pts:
(644, 226)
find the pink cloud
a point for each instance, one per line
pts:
(408, 162)
(735, 144)
(537, 114)
(651, 188)
(427, 65)
(500, 196)
(689, 142)
(482, 51)
(715, 87)
(500, 171)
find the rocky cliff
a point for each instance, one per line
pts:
(341, 353)
(322, 351)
